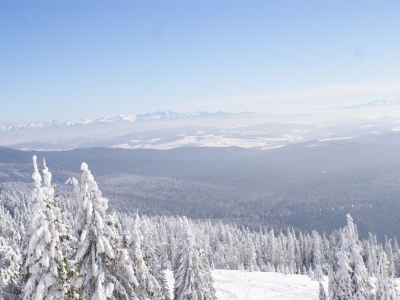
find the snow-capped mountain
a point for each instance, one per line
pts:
(57, 124)
(171, 114)
(375, 104)
(159, 115)
(170, 129)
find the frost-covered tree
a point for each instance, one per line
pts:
(155, 260)
(47, 268)
(97, 241)
(147, 285)
(106, 265)
(372, 257)
(351, 266)
(322, 294)
(316, 249)
(318, 274)
(10, 254)
(390, 257)
(9, 269)
(192, 273)
(386, 287)
(9, 227)
(360, 279)
(340, 284)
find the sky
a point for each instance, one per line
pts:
(83, 59)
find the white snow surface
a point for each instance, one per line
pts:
(208, 141)
(244, 285)
(336, 139)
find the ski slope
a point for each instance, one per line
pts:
(244, 285)
(263, 285)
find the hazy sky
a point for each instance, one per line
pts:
(74, 59)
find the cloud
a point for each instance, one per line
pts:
(317, 93)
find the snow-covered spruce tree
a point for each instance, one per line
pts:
(9, 228)
(316, 249)
(192, 273)
(72, 204)
(372, 257)
(318, 274)
(10, 254)
(340, 285)
(322, 294)
(106, 267)
(9, 269)
(153, 251)
(147, 285)
(396, 252)
(360, 280)
(390, 257)
(386, 287)
(47, 269)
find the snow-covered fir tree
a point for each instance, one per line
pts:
(318, 274)
(154, 253)
(10, 253)
(340, 285)
(385, 286)
(106, 264)
(9, 269)
(47, 269)
(351, 266)
(390, 257)
(192, 273)
(322, 294)
(360, 280)
(147, 287)
(372, 255)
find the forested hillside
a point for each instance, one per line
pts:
(65, 243)
(309, 185)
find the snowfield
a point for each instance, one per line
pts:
(244, 285)
(264, 285)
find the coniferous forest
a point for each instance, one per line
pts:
(71, 246)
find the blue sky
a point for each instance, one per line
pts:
(74, 59)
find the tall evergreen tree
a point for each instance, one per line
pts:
(340, 285)
(322, 294)
(9, 269)
(360, 280)
(47, 269)
(192, 273)
(390, 257)
(386, 287)
(350, 263)
(98, 244)
(147, 287)
(372, 257)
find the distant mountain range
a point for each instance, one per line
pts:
(170, 129)
(374, 104)
(155, 116)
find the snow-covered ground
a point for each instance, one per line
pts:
(244, 285)
(263, 285)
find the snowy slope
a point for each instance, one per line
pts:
(262, 285)
(245, 285)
